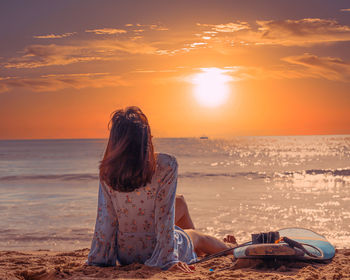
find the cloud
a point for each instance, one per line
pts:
(241, 72)
(345, 10)
(155, 71)
(107, 31)
(307, 31)
(227, 27)
(330, 68)
(294, 67)
(143, 27)
(304, 31)
(139, 30)
(303, 66)
(54, 36)
(63, 81)
(3, 86)
(147, 27)
(187, 47)
(48, 55)
(298, 67)
(158, 27)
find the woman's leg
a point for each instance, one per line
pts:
(182, 215)
(206, 244)
(203, 243)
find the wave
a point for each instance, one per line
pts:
(335, 172)
(250, 174)
(262, 175)
(63, 177)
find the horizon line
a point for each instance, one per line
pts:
(178, 137)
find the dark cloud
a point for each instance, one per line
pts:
(92, 50)
(330, 68)
(298, 67)
(303, 31)
(288, 32)
(40, 55)
(59, 82)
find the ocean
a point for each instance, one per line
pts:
(240, 186)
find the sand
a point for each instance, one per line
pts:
(70, 265)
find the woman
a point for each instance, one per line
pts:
(139, 217)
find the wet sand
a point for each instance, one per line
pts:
(44, 265)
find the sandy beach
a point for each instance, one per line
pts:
(70, 265)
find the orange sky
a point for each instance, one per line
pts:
(62, 74)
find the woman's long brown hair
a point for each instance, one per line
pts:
(129, 161)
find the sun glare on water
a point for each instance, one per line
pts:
(211, 87)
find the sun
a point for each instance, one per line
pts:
(211, 87)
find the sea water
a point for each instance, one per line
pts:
(240, 186)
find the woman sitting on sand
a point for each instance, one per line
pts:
(140, 218)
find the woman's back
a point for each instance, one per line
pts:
(138, 226)
(136, 212)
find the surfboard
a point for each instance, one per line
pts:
(316, 244)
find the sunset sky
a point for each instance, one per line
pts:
(196, 67)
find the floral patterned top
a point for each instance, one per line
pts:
(138, 226)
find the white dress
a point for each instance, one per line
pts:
(138, 226)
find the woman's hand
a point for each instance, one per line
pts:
(182, 267)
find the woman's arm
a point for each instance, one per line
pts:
(165, 253)
(103, 250)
